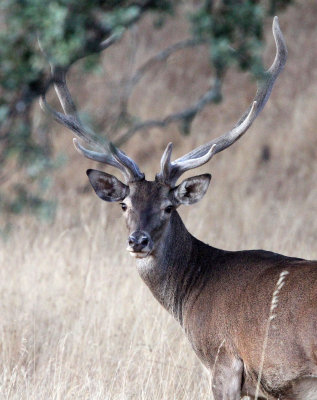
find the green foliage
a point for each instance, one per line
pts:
(234, 31)
(71, 29)
(67, 29)
(275, 5)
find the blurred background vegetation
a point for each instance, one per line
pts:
(70, 30)
(76, 320)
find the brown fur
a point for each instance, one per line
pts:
(222, 299)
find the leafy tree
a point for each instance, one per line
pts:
(73, 29)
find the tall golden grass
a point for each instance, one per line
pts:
(76, 320)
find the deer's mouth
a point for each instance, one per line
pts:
(139, 254)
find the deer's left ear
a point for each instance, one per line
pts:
(192, 189)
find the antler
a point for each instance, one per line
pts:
(171, 171)
(108, 154)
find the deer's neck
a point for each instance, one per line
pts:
(176, 269)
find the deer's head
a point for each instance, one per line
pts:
(148, 206)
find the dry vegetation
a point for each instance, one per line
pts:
(76, 320)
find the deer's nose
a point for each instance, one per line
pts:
(138, 241)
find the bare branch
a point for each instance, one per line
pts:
(163, 56)
(157, 58)
(186, 116)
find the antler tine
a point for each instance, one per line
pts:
(195, 157)
(171, 171)
(109, 153)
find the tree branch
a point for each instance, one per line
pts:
(186, 116)
(159, 57)
(163, 56)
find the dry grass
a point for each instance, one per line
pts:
(76, 320)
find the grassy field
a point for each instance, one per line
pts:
(77, 322)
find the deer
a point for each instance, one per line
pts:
(222, 299)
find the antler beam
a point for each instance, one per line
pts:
(171, 171)
(108, 153)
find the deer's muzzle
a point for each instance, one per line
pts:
(139, 244)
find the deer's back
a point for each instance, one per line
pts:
(233, 305)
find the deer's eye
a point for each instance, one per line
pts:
(123, 206)
(168, 209)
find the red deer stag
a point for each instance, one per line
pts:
(222, 299)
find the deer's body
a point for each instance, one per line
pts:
(224, 300)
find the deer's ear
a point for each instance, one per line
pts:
(192, 189)
(107, 186)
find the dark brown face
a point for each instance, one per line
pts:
(147, 210)
(147, 206)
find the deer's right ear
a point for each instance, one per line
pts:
(107, 186)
